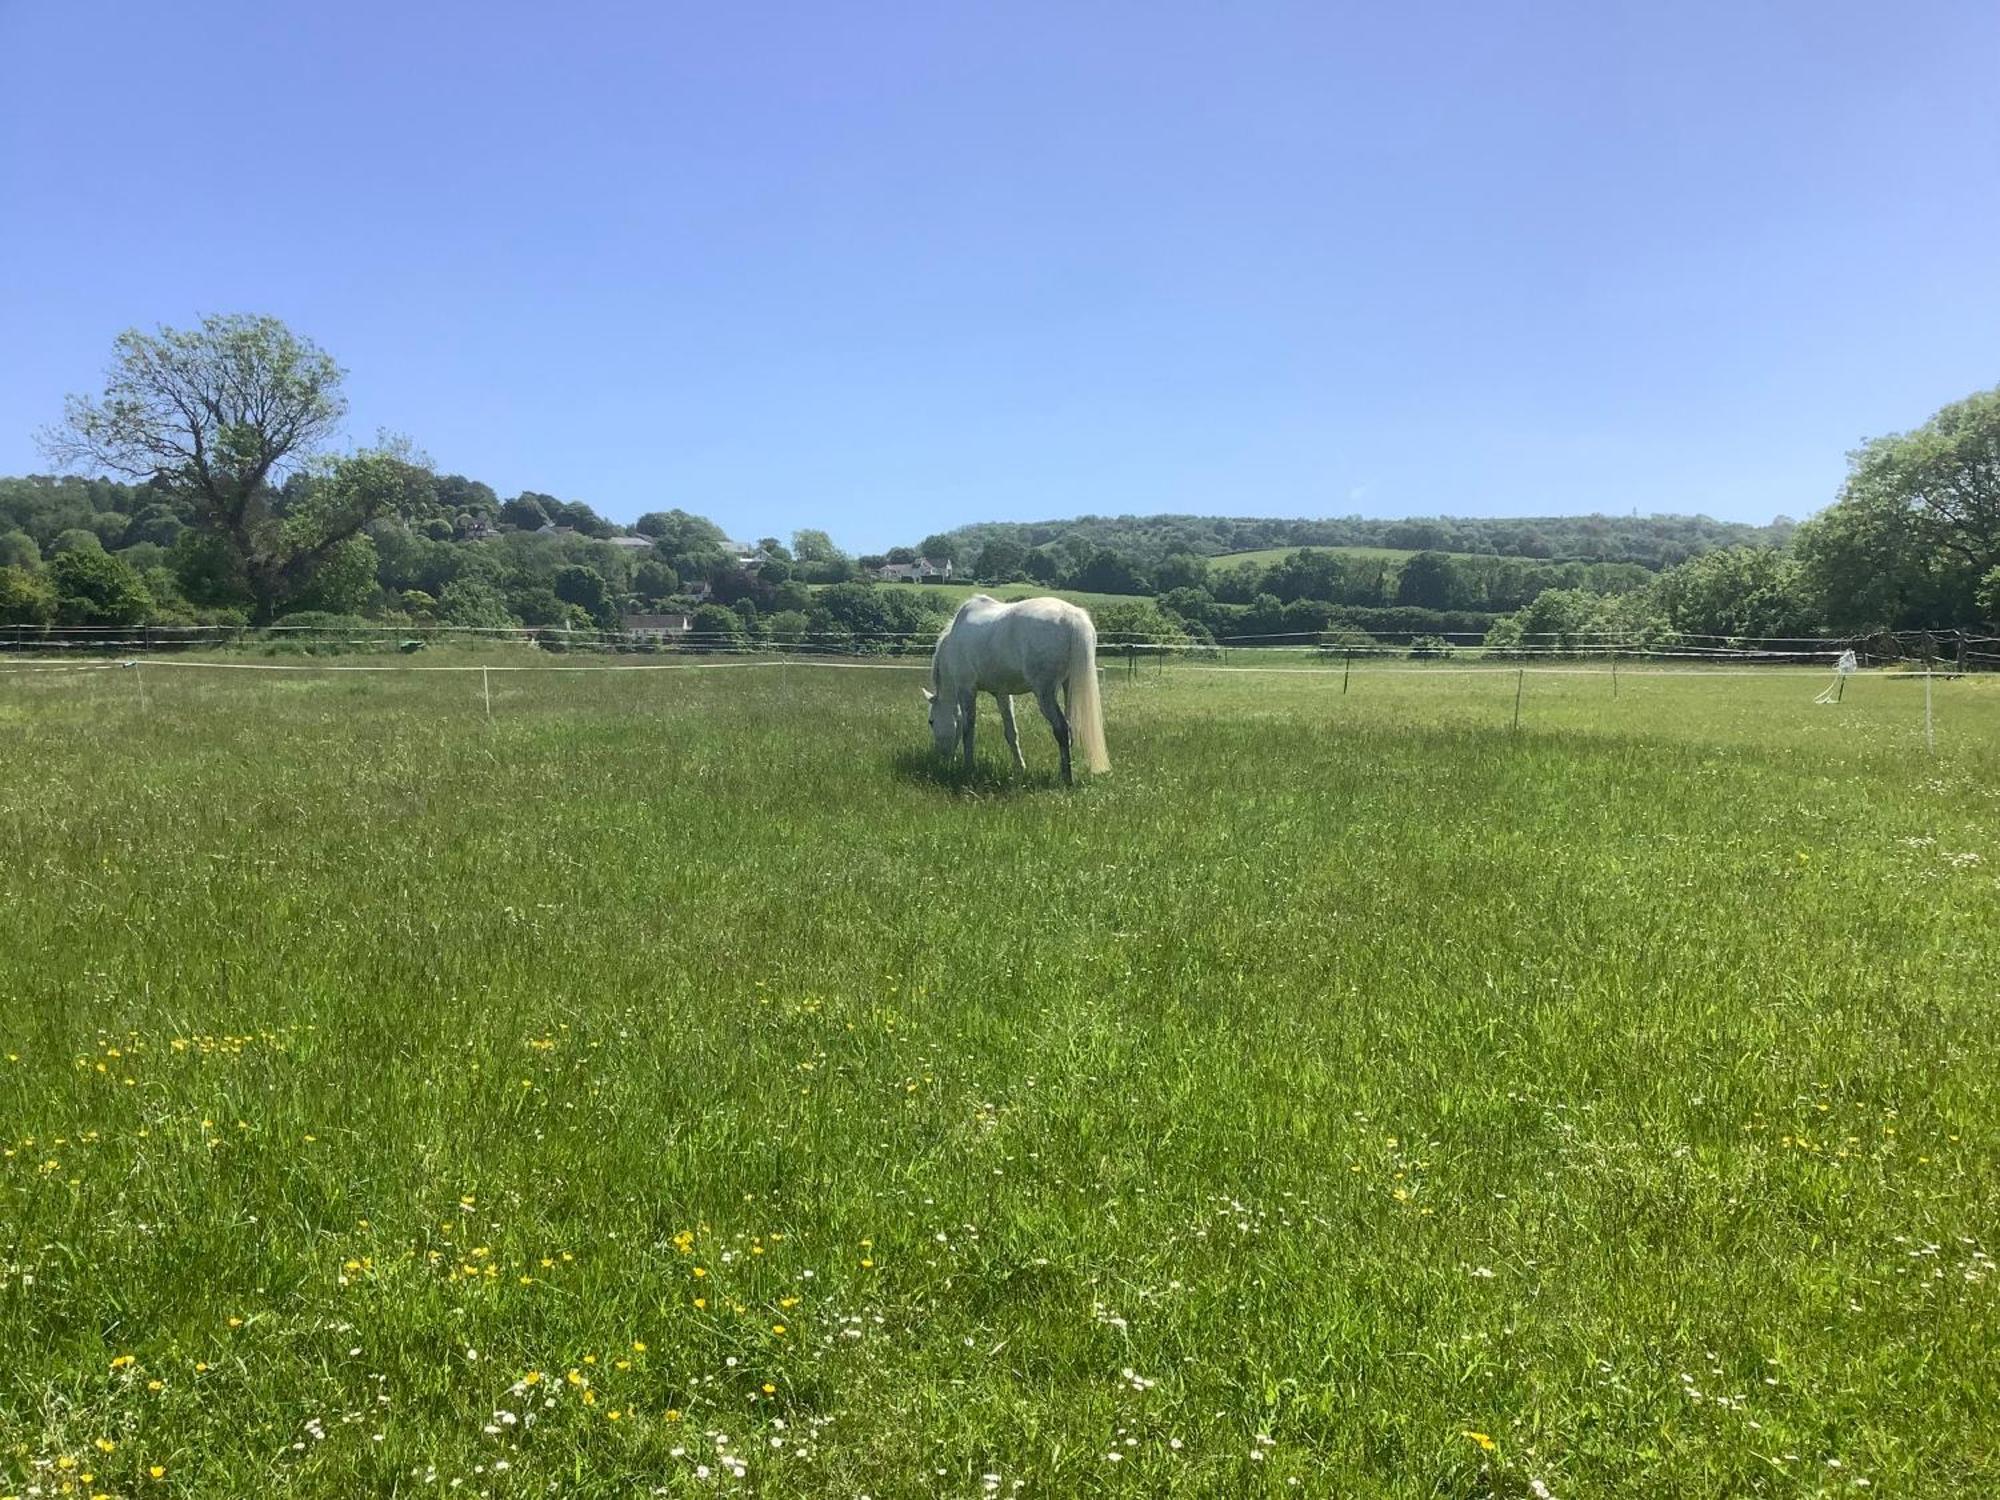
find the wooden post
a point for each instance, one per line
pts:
(1930, 741)
(1614, 675)
(1520, 679)
(1346, 671)
(486, 688)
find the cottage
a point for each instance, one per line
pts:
(923, 570)
(656, 627)
(632, 543)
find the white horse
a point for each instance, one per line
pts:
(1033, 646)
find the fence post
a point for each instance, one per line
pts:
(1614, 674)
(486, 689)
(1346, 671)
(1930, 742)
(1520, 679)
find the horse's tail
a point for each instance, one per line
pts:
(1086, 705)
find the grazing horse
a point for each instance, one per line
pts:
(1033, 646)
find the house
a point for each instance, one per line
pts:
(549, 528)
(923, 570)
(698, 589)
(656, 627)
(632, 543)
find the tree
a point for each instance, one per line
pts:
(1108, 572)
(217, 417)
(1948, 473)
(1561, 619)
(18, 550)
(813, 546)
(95, 588)
(76, 539)
(939, 547)
(1916, 527)
(524, 512)
(655, 581)
(586, 589)
(1001, 561)
(1426, 581)
(470, 602)
(25, 598)
(1308, 573)
(1735, 591)
(344, 583)
(680, 534)
(1181, 570)
(1866, 564)
(717, 627)
(1989, 596)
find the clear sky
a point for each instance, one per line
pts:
(888, 268)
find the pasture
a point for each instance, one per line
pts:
(951, 595)
(1266, 557)
(677, 1084)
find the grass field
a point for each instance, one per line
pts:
(955, 594)
(1267, 556)
(677, 1085)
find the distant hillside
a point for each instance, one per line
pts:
(1651, 541)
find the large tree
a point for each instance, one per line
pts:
(1916, 528)
(1948, 473)
(219, 417)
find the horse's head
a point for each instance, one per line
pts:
(944, 721)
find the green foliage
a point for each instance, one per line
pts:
(814, 546)
(1426, 581)
(717, 627)
(470, 602)
(524, 513)
(1106, 572)
(18, 550)
(1000, 561)
(1430, 648)
(1736, 591)
(343, 582)
(656, 581)
(1651, 542)
(25, 598)
(585, 588)
(1137, 620)
(95, 588)
(76, 539)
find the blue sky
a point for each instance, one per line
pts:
(888, 268)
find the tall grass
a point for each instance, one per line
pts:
(679, 1074)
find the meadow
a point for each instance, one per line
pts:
(951, 595)
(677, 1084)
(1267, 557)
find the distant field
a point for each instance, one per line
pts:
(955, 594)
(1266, 556)
(676, 1084)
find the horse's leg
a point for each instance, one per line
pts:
(1007, 725)
(968, 713)
(1058, 722)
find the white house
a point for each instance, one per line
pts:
(656, 627)
(923, 570)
